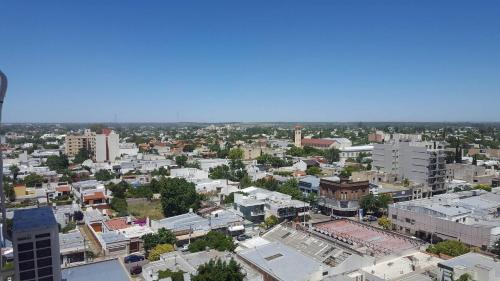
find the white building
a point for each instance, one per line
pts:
(107, 147)
(420, 162)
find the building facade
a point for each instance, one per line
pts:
(107, 146)
(74, 143)
(420, 162)
(35, 237)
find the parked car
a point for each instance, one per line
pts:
(136, 270)
(185, 248)
(242, 237)
(370, 218)
(133, 258)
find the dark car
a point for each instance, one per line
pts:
(136, 270)
(370, 218)
(242, 237)
(133, 258)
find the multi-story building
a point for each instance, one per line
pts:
(74, 143)
(340, 196)
(257, 203)
(35, 237)
(107, 146)
(103, 147)
(420, 162)
(469, 216)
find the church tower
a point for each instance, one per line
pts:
(298, 136)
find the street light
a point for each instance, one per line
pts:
(3, 91)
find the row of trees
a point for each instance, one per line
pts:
(332, 154)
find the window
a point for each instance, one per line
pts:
(44, 271)
(44, 262)
(25, 256)
(42, 235)
(43, 243)
(25, 247)
(394, 217)
(43, 253)
(23, 266)
(27, 275)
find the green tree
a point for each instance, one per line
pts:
(485, 187)
(178, 196)
(368, 203)
(451, 248)
(245, 181)
(465, 277)
(163, 236)
(9, 191)
(219, 271)
(384, 222)
(332, 155)
(270, 221)
(120, 189)
(291, 187)
(104, 175)
(33, 180)
(213, 240)
(119, 205)
(57, 163)
(219, 172)
(345, 174)
(82, 155)
(181, 160)
(14, 169)
(188, 148)
(236, 154)
(158, 250)
(313, 170)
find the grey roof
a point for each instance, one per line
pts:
(113, 237)
(276, 259)
(471, 260)
(110, 270)
(31, 219)
(71, 241)
(196, 222)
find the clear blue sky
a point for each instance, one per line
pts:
(400, 60)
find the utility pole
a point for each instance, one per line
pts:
(3, 91)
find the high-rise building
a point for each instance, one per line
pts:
(298, 136)
(35, 238)
(103, 147)
(107, 146)
(73, 143)
(420, 162)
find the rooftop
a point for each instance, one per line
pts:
(31, 219)
(376, 240)
(110, 270)
(276, 259)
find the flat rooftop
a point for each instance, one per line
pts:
(377, 240)
(282, 262)
(110, 270)
(32, 219)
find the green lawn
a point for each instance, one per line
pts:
(148, 209)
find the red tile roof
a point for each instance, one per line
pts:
(116, 224)
(94, 196)
(322, 142)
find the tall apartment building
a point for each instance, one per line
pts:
(107, 146)
(420, 162)
(104, 147)
(298, 136)
(35, 238)
(73, 143)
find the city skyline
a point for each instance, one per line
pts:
(417, 61)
